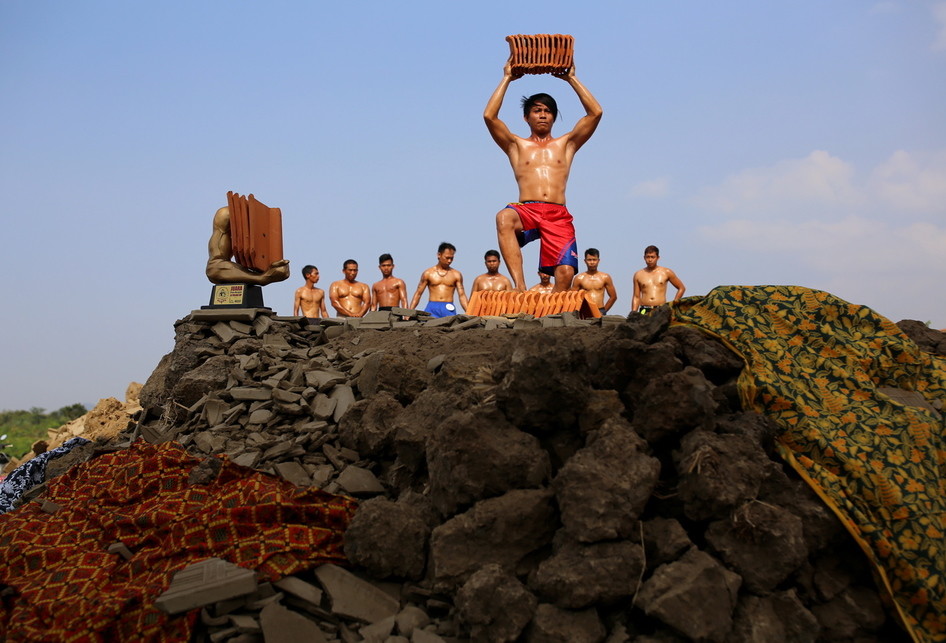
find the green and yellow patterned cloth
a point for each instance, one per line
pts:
(816, 365)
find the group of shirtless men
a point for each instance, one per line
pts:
(541, 164)
(351, 298)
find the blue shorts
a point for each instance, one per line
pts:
(441, 308)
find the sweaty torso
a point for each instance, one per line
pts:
(652, 285)
(310, 301)
(441, 283)
(594, 285)
(388, 292)
(351, 295)
(491, 282)
(541, 168)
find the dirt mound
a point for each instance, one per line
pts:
(103, 423)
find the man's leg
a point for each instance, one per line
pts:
(508, 226)
(563, 278)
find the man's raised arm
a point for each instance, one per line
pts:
(588, 123)
(498, 129)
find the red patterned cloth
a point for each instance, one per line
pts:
(69, 588)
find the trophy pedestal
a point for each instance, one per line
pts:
(236, 296)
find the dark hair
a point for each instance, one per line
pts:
(593, 252)
(307, 269)
(491, 253)
(385, 257)
(653, 249)
(529, 101)
(348, 261)
(446, 246)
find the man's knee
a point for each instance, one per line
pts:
(507, 220)
(563, 271)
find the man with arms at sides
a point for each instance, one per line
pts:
(350, 298)
(650, 283)
(442, 281)
(390, 291)
(596, 283)
(544, 286)
(309, 299)
(491, 279)
(541, 164)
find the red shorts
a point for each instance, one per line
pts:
(551, 223)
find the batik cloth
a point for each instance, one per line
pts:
(816, 365)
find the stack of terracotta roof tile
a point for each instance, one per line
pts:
(489, 302)
(541, 53)
(255, 232)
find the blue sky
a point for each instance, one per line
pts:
(797, 142)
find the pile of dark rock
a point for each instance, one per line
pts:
(537, 480)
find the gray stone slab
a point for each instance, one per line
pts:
(359, 482)
(223, 314)
(244, 623)
(321, 474)
(344, 398)
(354, 598)
(324, 379)
(425, 636)
(281, 625)
(262, 324)
(411, 618)
(440, 322)
(226, 332)
(376, 319)
(472, 322)
(285, 396)
(323, 407)
(274, 340)
(525, 323)
(300, 589)
(204, 583)
(249, 393)
(333, 456)
(214, 411)
(378, 631)
(294, 473)
(247, 459)
(261, 416)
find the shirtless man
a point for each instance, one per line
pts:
(596, 283)
(442, 281)
(545, 284)
(541, 164)
(390, 291)
(350, 298)
(491, 279)
(221, 269)
(309, 299)
(650, 283)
